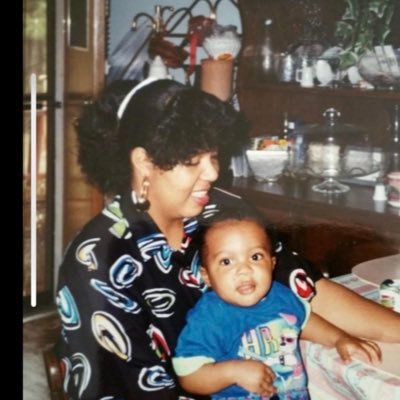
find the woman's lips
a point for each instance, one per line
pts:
(201, 197)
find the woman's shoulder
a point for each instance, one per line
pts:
(107, 226)
(98, 225)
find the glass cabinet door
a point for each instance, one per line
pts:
(38, 53)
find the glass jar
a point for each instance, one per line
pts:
(332, 151)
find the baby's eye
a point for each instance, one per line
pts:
(257, 257)
(225, 261)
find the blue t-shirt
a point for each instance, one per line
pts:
(268, 331)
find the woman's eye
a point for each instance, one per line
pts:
(192, 162)
(225, 261)
(215, 157)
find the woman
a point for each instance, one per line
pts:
(131, 274)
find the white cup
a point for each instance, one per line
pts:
(305, 76)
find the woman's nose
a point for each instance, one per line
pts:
(210, 170)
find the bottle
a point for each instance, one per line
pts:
(285, 66)
(392, 145)
(267, 56)
(296, 149)
(285, 128)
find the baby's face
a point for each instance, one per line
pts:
(238, 262)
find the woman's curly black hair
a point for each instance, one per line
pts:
(171, 121)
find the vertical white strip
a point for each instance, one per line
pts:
(33, 193)
(59, 141)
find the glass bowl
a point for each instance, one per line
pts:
(382, 72)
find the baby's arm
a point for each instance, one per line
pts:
(321, 331)
(251, 375)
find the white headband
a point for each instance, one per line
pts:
(128, 97)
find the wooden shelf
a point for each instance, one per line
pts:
(324, 91)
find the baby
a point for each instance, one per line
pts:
(241, 338)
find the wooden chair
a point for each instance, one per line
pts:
(54, 376)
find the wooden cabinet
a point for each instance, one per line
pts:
(333, 232)
(265, 103)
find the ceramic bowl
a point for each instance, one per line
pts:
(267, 166)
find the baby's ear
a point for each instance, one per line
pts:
(204, 275)
(273, 260)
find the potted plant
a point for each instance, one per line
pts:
(364, 24)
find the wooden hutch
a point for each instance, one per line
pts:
(334, 232)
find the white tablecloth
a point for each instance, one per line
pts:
(330, 378)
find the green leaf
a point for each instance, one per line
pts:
(352, 10)
(384, 36)
(378, 7)
(364, 41)
(347, 59)
(388, 15)
(344, 33)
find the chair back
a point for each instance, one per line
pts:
(54, 375)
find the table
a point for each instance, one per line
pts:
(330, 378)
(349, 228)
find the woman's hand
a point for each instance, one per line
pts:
(256, 377)
(347, 346)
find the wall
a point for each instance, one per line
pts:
(122, 13)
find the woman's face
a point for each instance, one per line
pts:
(182, 191)
(238, 262)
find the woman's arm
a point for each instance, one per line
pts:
(253, 376)
(321, 331)
(354, 314)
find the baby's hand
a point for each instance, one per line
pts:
(256, 377)
(348, 346)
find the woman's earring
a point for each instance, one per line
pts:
(141, 202)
